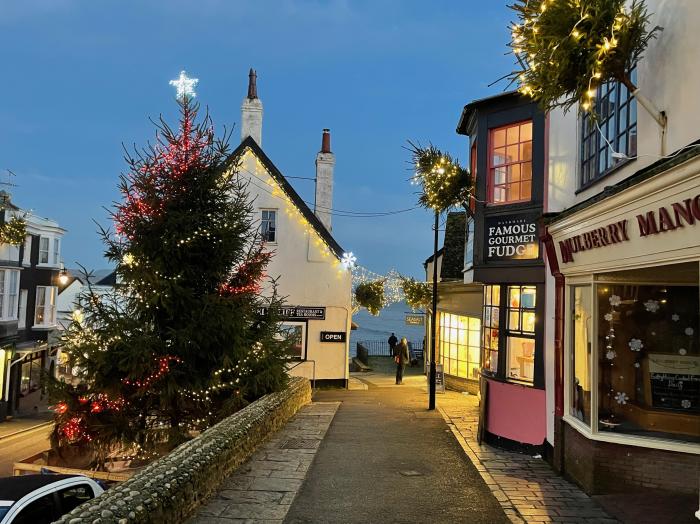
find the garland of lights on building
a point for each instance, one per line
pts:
(13, 231)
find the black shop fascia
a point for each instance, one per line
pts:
(507, 138)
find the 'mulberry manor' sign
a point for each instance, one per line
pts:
(511, 237)
(651, 223)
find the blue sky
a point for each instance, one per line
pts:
(82, 77)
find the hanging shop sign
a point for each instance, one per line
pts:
(333, 336)
(654, 222)
(512, 237)
(415, 320)
(297, 313)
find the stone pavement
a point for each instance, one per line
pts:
(387, 459)
(528, 488)
(263, 488)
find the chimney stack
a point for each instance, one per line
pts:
(252, 111)
(325, 161)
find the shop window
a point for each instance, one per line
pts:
(615, 130)
(492, 299)
(268, 225)
(646, 353)
(295, 333)
(510, 164)
(520, 332)
(459, 345)
(581, 339)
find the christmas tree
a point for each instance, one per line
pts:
(181, 342)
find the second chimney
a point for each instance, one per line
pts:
(325, 161)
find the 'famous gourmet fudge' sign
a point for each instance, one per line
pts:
(511, 238)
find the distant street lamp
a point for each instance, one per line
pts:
(63, 276)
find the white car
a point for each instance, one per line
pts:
(39, 499)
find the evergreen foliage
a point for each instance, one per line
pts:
(418, 295)
(181, 342)
(566, 49)
(13, 231)
(444, 183)
(370, 295)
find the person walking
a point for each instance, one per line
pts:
(392, 344)
(401, 357)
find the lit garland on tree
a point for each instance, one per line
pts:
(567, 48)
(418, 295)
(13, 231)
(153, 356)
(444, 183)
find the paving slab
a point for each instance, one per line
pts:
(262, 489)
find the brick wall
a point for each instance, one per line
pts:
(169, 489)
(603, 467)
(460, 384)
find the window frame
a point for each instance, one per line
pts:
(22, 308)
(592, 431)
(47, 250)
(9, 292)
(264, 220)
(519, 333)
(56, 251)
(591, 143)
(441, 343)
(491, 167)
(45, 291)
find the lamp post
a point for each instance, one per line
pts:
(433, 317)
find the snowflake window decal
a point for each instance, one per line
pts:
(621, 397)
(686, 403)
(615, 300)
(635, 344)
(682, 351)
(608, 317)
(652, 306)
(689, 331)
(610, 354)
(675, 317)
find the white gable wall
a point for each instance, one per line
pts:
(307, 274)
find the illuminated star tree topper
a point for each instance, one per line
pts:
(184, 86)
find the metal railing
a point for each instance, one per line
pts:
(380, 348)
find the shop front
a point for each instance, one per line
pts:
(507, 143)
(630, 262)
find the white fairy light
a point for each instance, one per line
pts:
(185, 86)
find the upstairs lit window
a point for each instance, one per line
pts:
(510, 164)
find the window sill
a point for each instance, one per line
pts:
(47, 266)
(630, 440)
(44, 327)
(8, 320)
(605, 175)
(510, 381)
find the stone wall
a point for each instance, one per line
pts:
(169, 489)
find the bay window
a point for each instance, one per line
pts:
(634, 354)
(510, 164)
(492, 299)
(45, 309)
(9, 288)
(56, 251)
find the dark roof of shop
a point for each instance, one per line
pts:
(430, 258)
(674, 159)
(14, 488)
(453, 256)
(289, 190)
(475, 104)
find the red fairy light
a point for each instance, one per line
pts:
(95, 407)
(83, 400)
(163, 368)
(61, 408)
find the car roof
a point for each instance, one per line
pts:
(14, 488)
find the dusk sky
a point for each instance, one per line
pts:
(82, 77)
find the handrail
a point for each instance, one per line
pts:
(313, 373)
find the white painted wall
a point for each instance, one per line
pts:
(307, 273)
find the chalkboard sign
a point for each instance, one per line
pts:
(439, 379)
(674, 382)
(675, 391)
